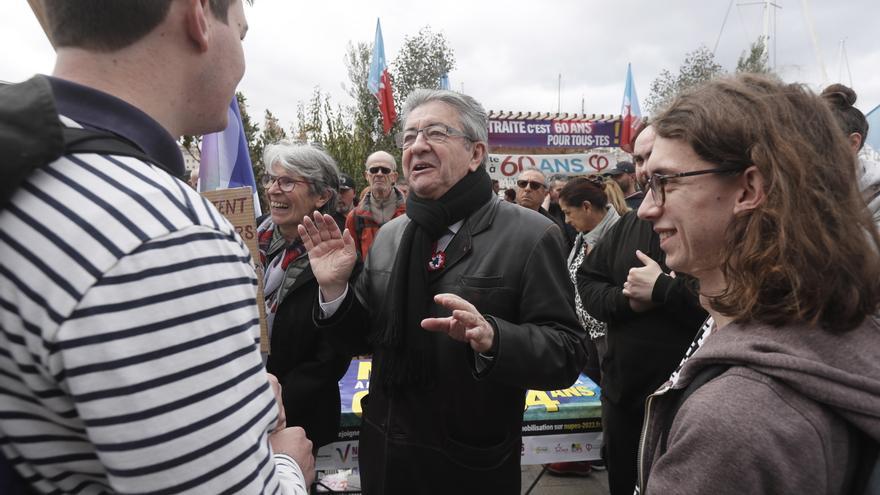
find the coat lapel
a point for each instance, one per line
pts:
(462, 243)
(456, 251)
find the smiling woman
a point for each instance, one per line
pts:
(301, 179)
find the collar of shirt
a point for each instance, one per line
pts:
(97, 110)
(445, 239)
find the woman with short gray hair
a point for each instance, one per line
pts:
(300, 179)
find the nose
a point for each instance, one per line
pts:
(420, 144)
(649, 210)
(273, 185)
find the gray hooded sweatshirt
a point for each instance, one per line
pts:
(778, 421)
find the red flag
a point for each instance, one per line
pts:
(379, 82)
(630, 112)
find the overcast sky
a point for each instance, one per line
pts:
(509, 53)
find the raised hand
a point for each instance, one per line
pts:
(331, 253)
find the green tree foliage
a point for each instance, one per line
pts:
(422, 59)
(756, 61)
(272, 133)
(699, 66)
(349, 134)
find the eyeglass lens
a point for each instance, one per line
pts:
(534, 186)
(655, 185)
(376, 170)
(286, 184)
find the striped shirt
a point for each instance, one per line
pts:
(128, 338)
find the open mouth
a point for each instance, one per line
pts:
(280, 206)
(420, 166)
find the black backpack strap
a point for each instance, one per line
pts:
(30, 132)
(705, 375)
(77, 140)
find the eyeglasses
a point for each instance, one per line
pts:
(657, 183)
(376, 170)
(534, 186)
(434, 133)
(286, 184)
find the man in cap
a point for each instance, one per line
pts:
(624, 173)
(345, 199)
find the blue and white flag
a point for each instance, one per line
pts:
(226, 162)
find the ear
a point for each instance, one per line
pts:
(752, 193)
(322, 200)
(855, 141)
(197, 23)
(587, 206)
(477, 154)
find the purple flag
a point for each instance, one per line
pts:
(225, 160)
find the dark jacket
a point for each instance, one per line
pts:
(782, 419)
(465, 434)
(634, 200)
(555, 212)
(307, 366)
(643, 348)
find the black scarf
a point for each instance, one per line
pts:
(408, 354)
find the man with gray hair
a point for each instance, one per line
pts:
(380, 205)
(465, 304)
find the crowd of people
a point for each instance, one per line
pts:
(722, 287)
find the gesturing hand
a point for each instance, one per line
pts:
(640, 281)
(331, 253)
(465, 325)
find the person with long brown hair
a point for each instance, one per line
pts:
(651, 320)
(842, 99)
(752, 189)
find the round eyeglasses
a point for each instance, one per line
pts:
(286, 184)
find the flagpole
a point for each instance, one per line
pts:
(559, 95)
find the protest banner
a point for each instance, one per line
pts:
(237, 205)
(506, 168)
(553, 133)
(558, 425)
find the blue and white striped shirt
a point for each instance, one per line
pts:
(128, 338)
